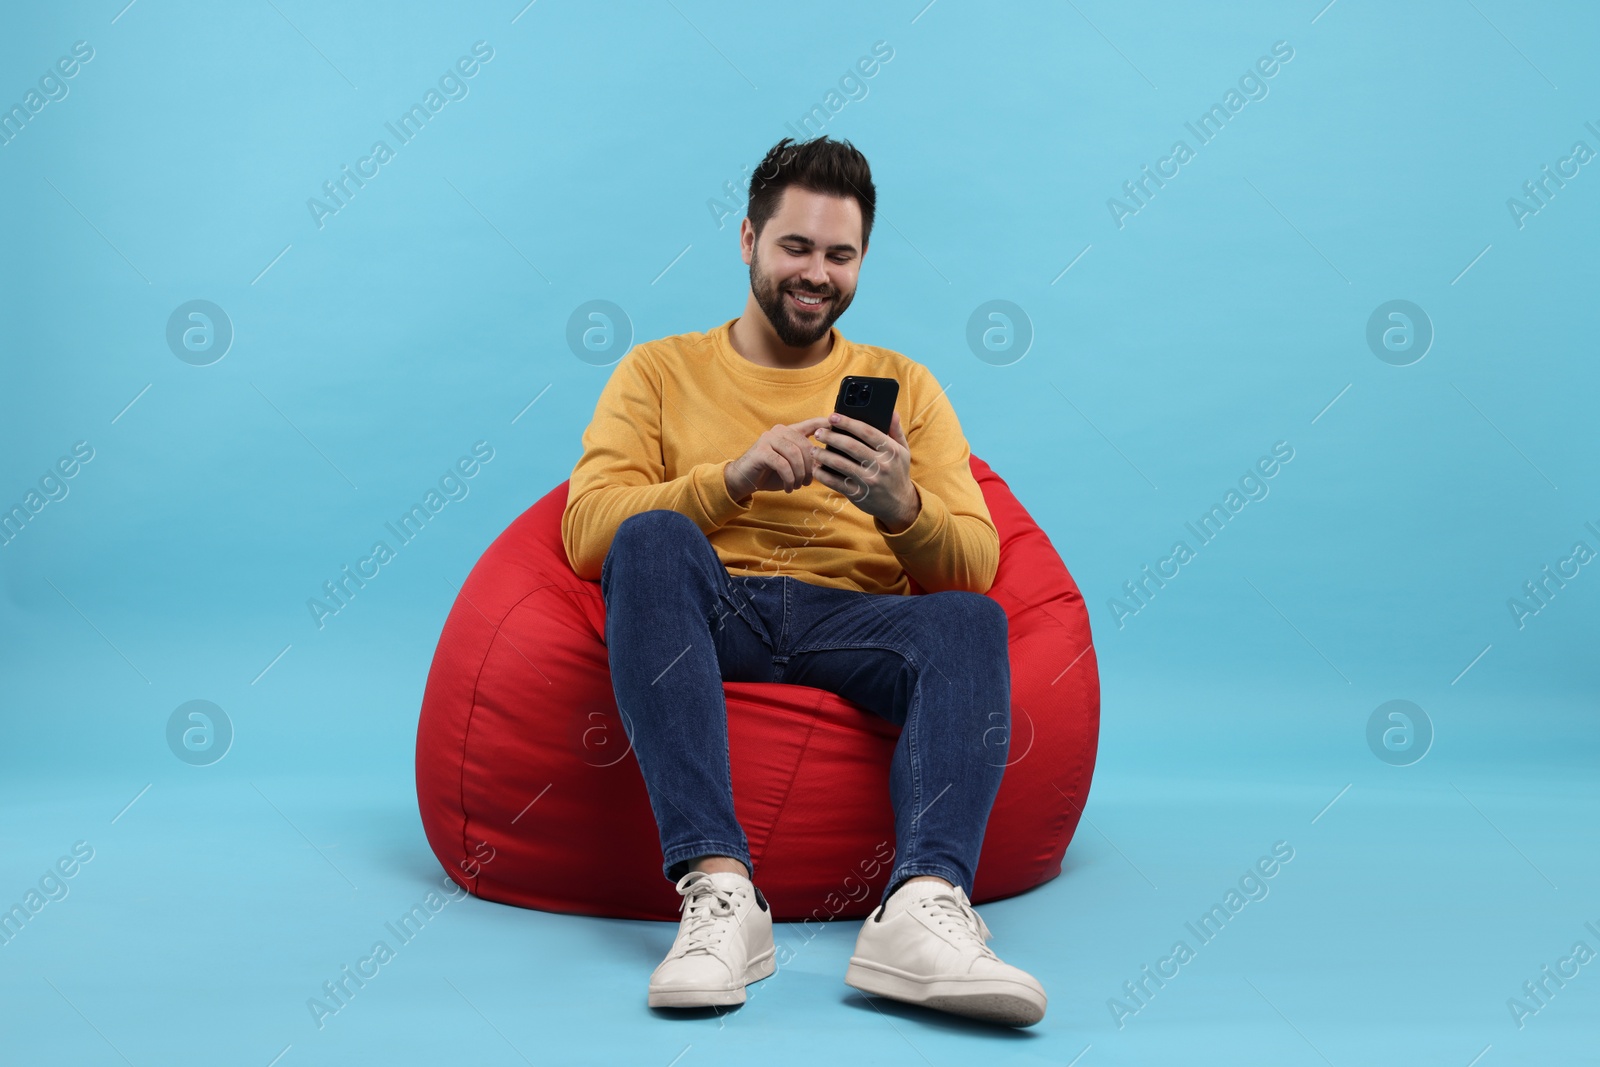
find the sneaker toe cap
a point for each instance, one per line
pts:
(693, 972)
(984, 967)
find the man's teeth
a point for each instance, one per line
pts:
(808, 299)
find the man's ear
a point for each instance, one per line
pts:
(747, 239)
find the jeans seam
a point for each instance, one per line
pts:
(783, 636)
(727, 753)
(916, 765)
(742, 603)
(909, 655)
(706, 847)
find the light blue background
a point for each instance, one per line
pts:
(1228, 314)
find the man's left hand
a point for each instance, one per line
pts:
(874, 473)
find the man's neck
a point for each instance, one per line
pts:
(753, 337)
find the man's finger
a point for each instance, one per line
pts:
(780, 465)
(839, 442)
(897, 430)
(869, 435)
(794, 452)
(841, 462)
(801, 443)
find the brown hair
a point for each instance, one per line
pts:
(822, 165)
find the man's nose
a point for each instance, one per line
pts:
(816, 272)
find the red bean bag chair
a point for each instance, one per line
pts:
(531, 796)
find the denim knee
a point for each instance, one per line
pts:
(645, 531)
(976, 616)
(650, 526)
(974, 633)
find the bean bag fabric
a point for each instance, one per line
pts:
(530, 794)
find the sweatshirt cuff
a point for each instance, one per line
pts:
(711, 495)
(923, 531)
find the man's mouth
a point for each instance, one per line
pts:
(807, 302)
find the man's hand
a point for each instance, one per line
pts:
(781, 458)
(873, 472)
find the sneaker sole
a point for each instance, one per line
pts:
(761, 967)
(994, 1000)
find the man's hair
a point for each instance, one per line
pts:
(822, 165)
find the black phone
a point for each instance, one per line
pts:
(871, 400)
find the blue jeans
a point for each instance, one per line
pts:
(678, 625)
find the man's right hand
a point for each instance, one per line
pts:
(780, 459)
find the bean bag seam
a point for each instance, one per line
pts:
(1061, 825)
(472, 711)
(788, 789)
(1074, 597)
(1083, 772)
(592, 594)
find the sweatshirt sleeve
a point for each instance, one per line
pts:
(953, 543)
(622, 472)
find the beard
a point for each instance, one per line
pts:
(796, 328)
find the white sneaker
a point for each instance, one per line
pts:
(724, 942)
(926, 945)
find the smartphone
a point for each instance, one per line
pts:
(871, 400)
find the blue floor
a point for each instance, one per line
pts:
(1416, 903)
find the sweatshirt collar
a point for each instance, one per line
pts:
(829, 368)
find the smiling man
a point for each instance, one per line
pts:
(731, 547)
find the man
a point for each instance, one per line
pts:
(710, 574)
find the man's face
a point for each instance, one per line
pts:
(811, 247)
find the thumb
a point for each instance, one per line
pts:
(897, 431)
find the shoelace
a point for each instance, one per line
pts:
(703, 904)
(952, 907)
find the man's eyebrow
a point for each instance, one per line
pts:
(799, 238)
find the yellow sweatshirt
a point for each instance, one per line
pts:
(677, 410)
